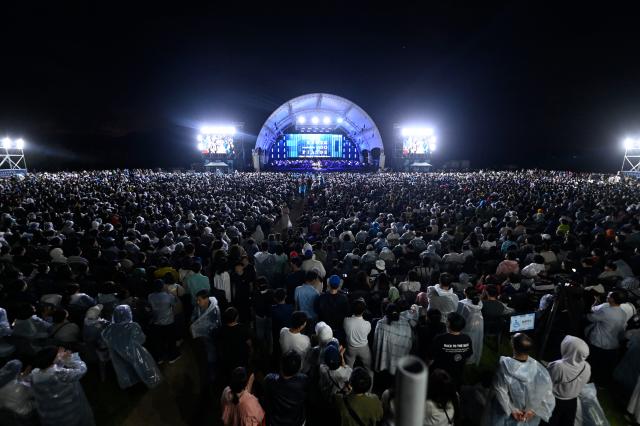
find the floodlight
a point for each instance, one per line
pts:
(200, 146)
(199, 138)
(339, 120)
(218, 130)
(6, 143)
(20, 143)
(630, 143)
(417, 131)
(326, 120)
(301, 119)
(432, 147)
(315, 120)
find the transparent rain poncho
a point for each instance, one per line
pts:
(15, 395)
(59, 397)
(474, 328)
(131, 361)
(521, 386)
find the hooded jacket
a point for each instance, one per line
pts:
(572, 372)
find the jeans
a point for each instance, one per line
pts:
(264, 333)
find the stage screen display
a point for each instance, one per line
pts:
(416, 145)
(313, 145)
(217, 144)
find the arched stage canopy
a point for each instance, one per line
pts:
(343, 113)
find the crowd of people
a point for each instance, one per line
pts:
(298, 293)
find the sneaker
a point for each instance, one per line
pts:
(171, 361)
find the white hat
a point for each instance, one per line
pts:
(380, 264)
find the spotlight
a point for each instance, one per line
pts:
(417, 131)
(326, 120)
(339, 120)
(20, 143)
(218, 130)
(302, 120)
(6, 143)
(200, 146)
(630, 143)
(432, 147)
(315, 120)
(199, 138)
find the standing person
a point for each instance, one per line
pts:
(222, 281)
(441, 407)
(55, 382)
(241, 290)
(196, 282)
(569, 375)
(523, 388)
(16, 397)
(359, 407)
(239, 406)
(306, 295)
(294, 278)
(442, 297)
(357, 331)
(131, 361)
(163, 332)
(392, 340)
(451, 350)
(292, 339)
(332, 307)
(233, 342)
(608, 322)
(471, 310)
(285, 393)
(280, 315)
(205, 321)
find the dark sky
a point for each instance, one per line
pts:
(523, 83)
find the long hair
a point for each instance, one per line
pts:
(442, 389)
(239, 379)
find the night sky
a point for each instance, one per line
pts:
(526, 84)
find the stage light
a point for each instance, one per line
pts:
(6, 143)
(315, 120)
(302, 120)
(218, 130)
(417, 131)
(432, 147)
(326, 120)
(20, 143)
(630, 143)
(200, 146)
(339, 120)
(199, 138)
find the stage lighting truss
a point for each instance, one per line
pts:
(12, 155)
(317, 123)
(631, 161)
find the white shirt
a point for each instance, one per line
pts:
(357, 329)
(294, 341)
(532, 270)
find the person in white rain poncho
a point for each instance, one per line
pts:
(471, 310)
(522, 388)
(16, 398)
(55, 382)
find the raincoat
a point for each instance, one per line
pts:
(523, 386)
(59, 397)
(131, 361)
(474, 327)
(15, 395)
(6, 348)
(204, 323)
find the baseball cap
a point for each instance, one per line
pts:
(380, 264)
(293, 254)
(332, 356)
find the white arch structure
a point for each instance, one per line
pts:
(341, 112)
